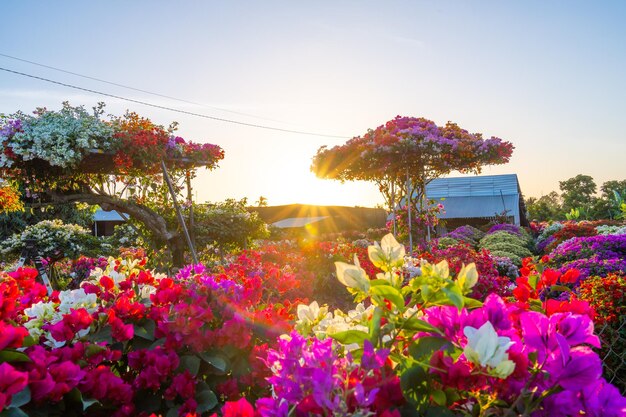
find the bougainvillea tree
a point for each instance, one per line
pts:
(406, 153)
(73, 155)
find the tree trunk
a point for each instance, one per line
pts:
(151, 219)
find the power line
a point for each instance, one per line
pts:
(135, 89)
(220, 119)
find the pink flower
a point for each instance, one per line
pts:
(11, 337)
(12, 381)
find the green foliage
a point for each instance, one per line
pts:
(228, 225)
(545, 208)
(446, 242)
(578, 192)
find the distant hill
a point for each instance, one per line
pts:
(325, 219)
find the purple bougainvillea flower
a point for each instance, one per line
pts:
(575, 328)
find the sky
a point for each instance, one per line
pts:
(546, 76)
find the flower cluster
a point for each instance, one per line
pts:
(594, 255)
(66, 137)
(61, 138)
(454, 354)
(310, 377)
(10, 198)
(467, 234)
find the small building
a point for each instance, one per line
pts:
(105, 221)
(478, 200)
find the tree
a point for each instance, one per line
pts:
(72, 155)
(578, 193)
(228, 225)
(402, 156)
(545, 208)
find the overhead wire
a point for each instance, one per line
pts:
(145, 103)
(136, 89)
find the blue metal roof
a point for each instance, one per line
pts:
(478, 196)
(107, 216)
(476, 186)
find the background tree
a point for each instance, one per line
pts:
(545, 208)
(402, 156)
(228, 225)
(578, 193)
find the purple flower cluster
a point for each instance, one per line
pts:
(309, 373)
(600, 247)
(509, 228)
(591, 255)
(467, 234)
(559, 346)
(595, 267)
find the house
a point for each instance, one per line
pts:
(105, 221)
(477, 200)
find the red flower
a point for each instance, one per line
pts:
(240, 408)
(570, 276)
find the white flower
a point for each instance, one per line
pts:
(352, 276)
(75, 299)
(388, 255)
(485, 348)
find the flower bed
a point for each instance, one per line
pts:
(132, 342)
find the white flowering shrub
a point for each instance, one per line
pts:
(61, 137)
(53, 239)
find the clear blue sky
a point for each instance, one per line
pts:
(548, 76)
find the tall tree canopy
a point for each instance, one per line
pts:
(115, 162)
(409, 148)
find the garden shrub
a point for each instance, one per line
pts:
(467, 234)
(53, 240)
(446, 242)
(506, 267)
(509, 245)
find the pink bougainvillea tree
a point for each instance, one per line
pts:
(406, 153)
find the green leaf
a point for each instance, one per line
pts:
(13, 356)
(374, 325)
(206, 399)
(414, 383)
(379, 281)
(426, 346)
(102, 335)
(454, 294)
(472, 303)
(93, 349)
(533, 280)
(89, 402)
(172, 412)
(29, 341)
(350, 336)
(215, 361)
(21, 398)
(418, 325)
(439, 397)
(390, 293)
(13, 412)
(560, 288)
(190, 363)
(145, 330)
(147, 401)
